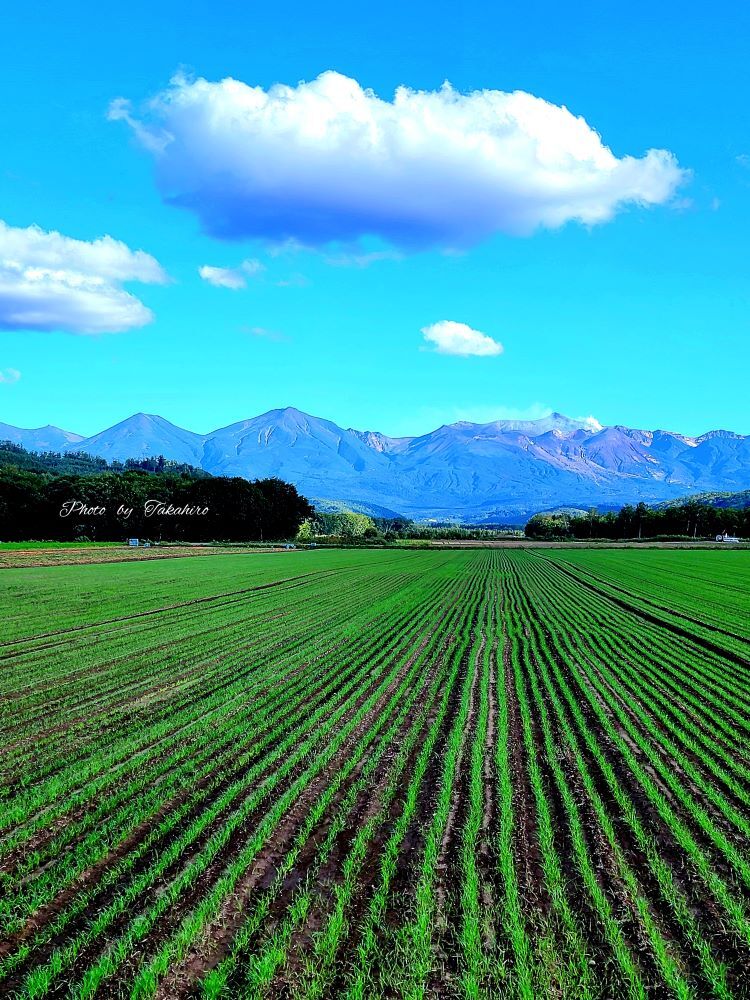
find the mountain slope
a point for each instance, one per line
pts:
(294, 446)
(473, 472)
(144, 435)
(47, 438)
(722, 500)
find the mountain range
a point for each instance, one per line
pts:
(499, 471)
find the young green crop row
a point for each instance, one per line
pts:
(711, 587)
(216, 741)
(692, 597)
(90, 841)
(580, 658)
(470, 774)
(193, 664)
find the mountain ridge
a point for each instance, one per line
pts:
(464, 470)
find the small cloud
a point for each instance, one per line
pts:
(222, 277)
(264, 332)
(715, 204)
(590, 422)
(363, 259)
(489, 414)
(284, 247)
(154, 140)
(231, 277)
(683, 204)
(744, 160)
(53, 282)
(448, 337)
(294, 281)
(9, 375)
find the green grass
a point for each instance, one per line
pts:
(514, 773)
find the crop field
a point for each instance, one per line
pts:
(490, 773)
(17, 555)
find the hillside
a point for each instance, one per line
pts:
(741, 500)
(79, 463)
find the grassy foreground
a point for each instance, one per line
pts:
(489, 773)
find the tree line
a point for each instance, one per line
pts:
(690, 519)
(79, 463)
(351, 527)
(162, 505)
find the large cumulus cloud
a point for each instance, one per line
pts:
(53, 282)
(330, 161)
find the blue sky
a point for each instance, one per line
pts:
(641, 319)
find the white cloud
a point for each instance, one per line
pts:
(8, 375)
(489, 414)
(294, 281)
(154, 141)
(230, 277)
(222, 277)
(448, 337)
(364, 259)
(52, 282)
(264, 332)
(106, 258)
(592, 424)
(329, 161)
(683, 204)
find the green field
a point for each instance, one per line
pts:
(491, 773)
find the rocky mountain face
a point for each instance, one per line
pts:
(474, 472)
